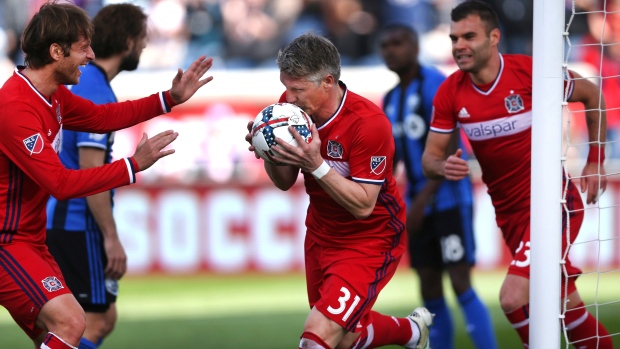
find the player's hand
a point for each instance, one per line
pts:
(185, 84)
(594, 181)
(306, 156)
(149, 150)
(117, 259)
(456, 168)
(248, 138)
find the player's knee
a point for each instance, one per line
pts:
(70, 327)
(510, 301)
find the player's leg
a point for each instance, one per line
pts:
(583, 329)
(458, 254)
(514, 300)
(64, 319)
(35, 295)
(477, 318)
(425, 256)
(81, 257)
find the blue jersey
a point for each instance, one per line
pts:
(410, 111)
(74, 214)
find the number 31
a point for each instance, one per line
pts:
(346, 295)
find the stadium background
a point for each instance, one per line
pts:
(214, 250)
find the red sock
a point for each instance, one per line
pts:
(384, 330)
(51, 341)
(310, 340)
(520, 320)
(584, 331)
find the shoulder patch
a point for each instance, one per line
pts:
(377, 164)
(34, 144)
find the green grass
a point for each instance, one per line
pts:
(264, 311)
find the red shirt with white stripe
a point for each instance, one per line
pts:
(497, 120)
(30, 169)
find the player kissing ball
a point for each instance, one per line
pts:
(273, 122)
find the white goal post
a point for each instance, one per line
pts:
(546, 182)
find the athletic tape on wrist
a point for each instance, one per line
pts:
(321, 170)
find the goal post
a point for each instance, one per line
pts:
(546, 179)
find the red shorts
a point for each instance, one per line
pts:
(29, 278)
(343, 284)
(516, 231)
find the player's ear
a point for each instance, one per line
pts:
(495, 35)
(56, 51)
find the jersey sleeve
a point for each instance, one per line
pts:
(372, 151)
(24, 145)
(80, 114)
(442, 118)
(92, 140)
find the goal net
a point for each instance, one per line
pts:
(594, 53)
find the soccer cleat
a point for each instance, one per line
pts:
(423, 319)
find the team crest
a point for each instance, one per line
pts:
(51, 283)
(34, 144)
(334, 149)
(58, 117)
(514, 103)
(111, 286)
(377, 164)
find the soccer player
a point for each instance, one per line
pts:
(356, 217)
(490, 96)
(35, 106)
(81, 233)
(439, 213)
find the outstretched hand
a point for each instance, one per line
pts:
(149, 150)
(456, 168)
(185, 84)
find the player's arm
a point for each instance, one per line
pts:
(357, 198)
(100, 205)
(593, 179)
(82, 115)
(434, 162)
(23, 143)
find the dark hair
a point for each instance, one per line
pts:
(114, 26)
(413, 34)
(310, 56)
(59, 23)
(479, 8)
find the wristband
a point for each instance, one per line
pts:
(321, 170)
(169, 99)
(596, 155)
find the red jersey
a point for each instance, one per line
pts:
(30, 169)
(497, 120)
(356, 142)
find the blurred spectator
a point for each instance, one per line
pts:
(204, 26)
(167, 35)
(517, 24)
(254, 30)
(422, 15)
(352, 25)
(13, 18)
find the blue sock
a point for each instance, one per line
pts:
(86, 344)
(477, 320)
(442, 331)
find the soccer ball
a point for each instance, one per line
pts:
(273, 121)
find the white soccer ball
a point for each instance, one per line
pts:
(273, 121)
